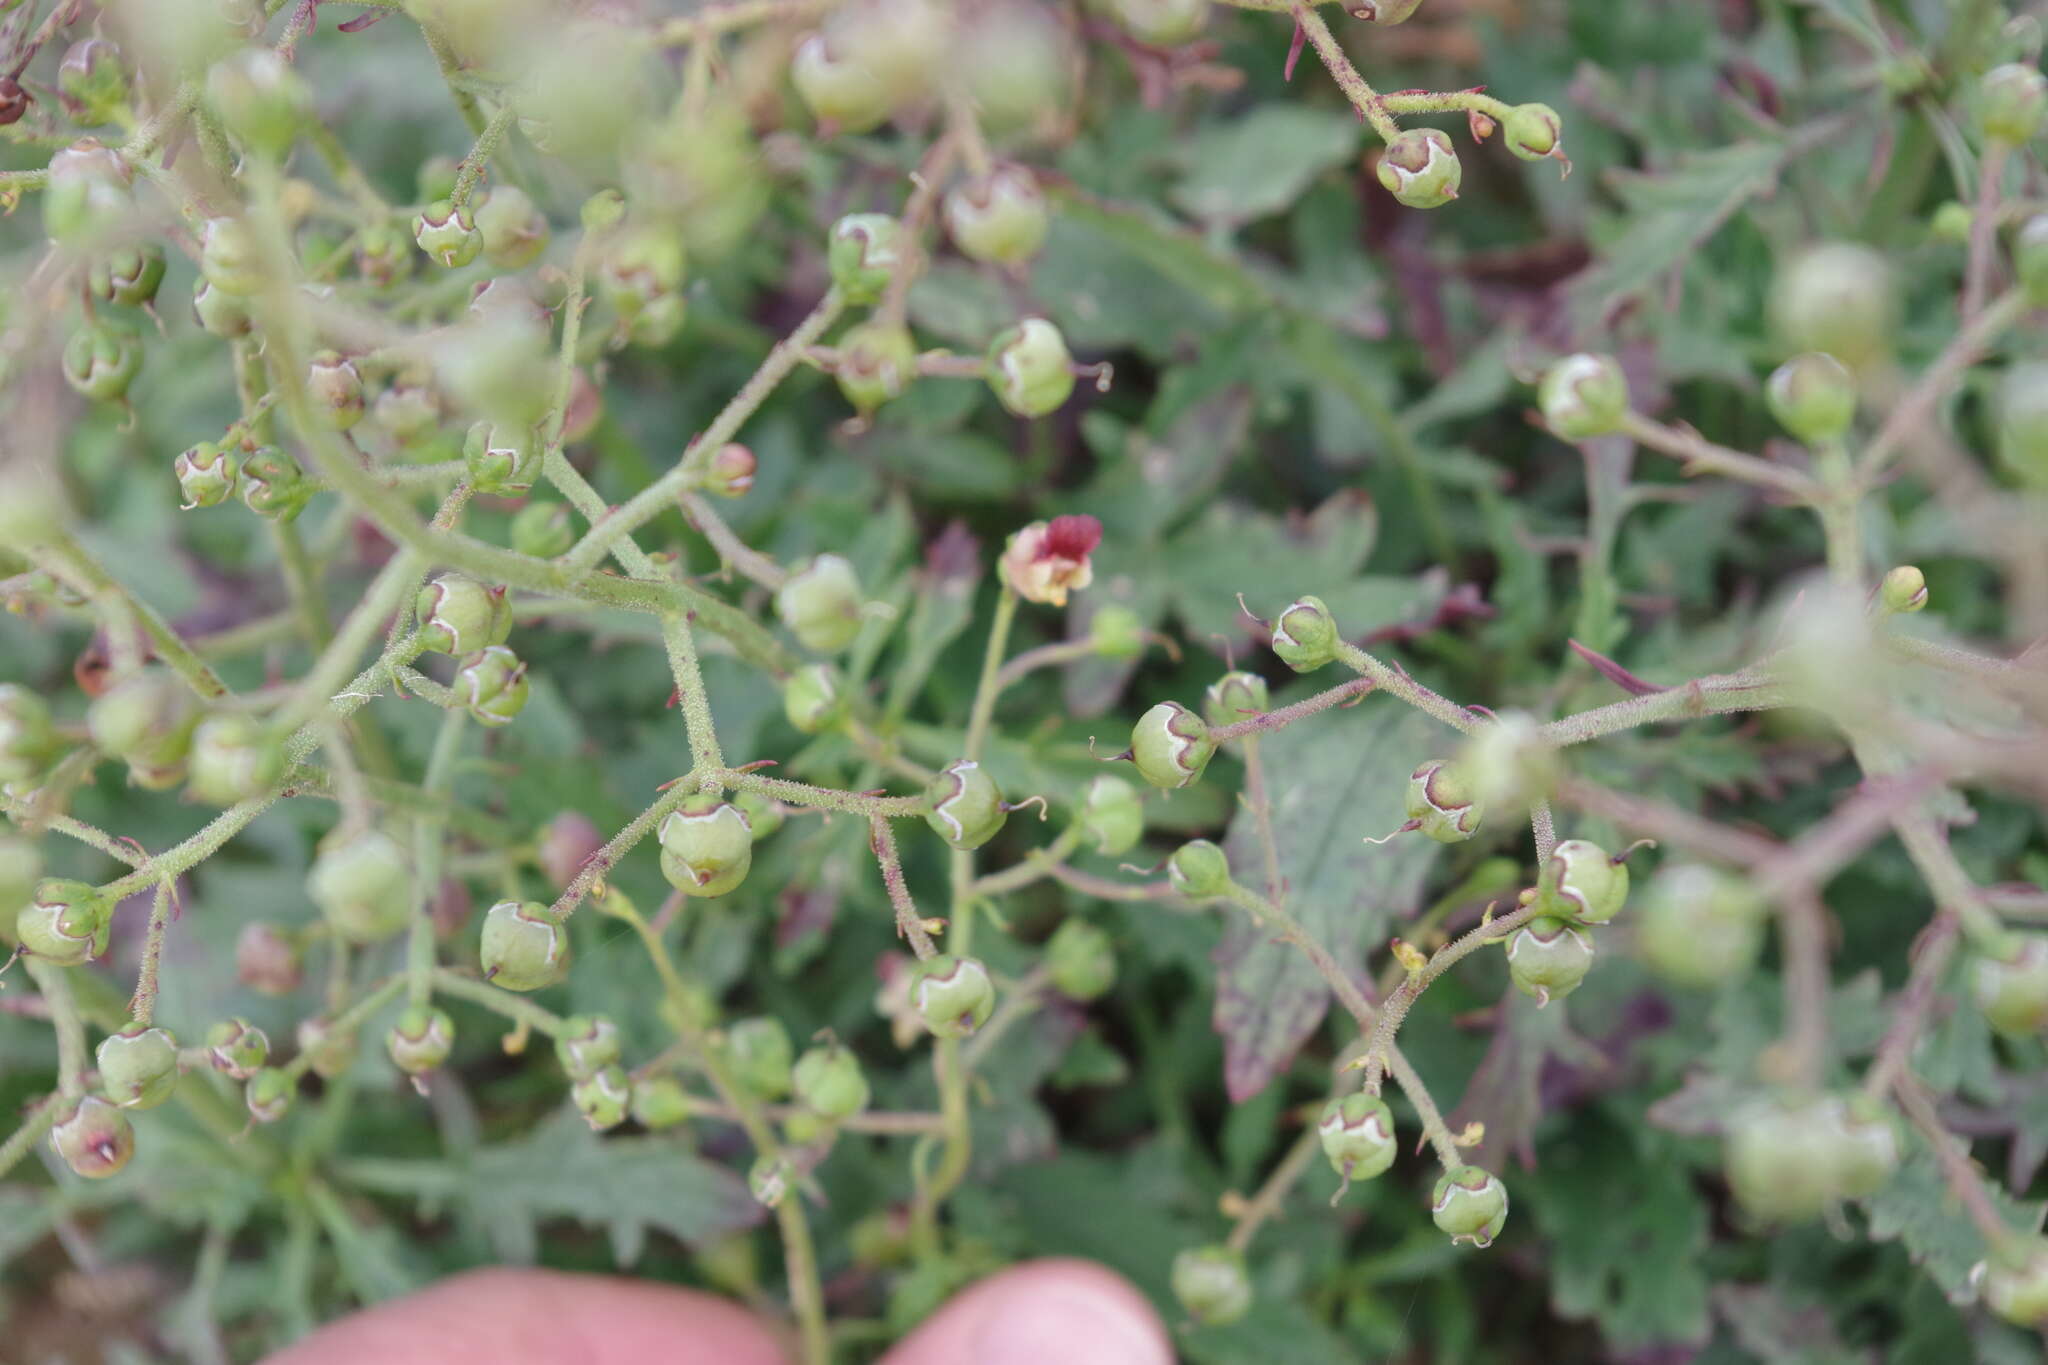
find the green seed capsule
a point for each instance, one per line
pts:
(384, 253)
(101, 360)
(28, 737)
(1548, 958)
(1306, 636)
(514, 230)
(447, 234)
(92, 83)
(707, 846)
(1903, 590)
(261, 100)
(1212, 1285)
(2023, 422)
(1171, 746)
(1080, 960)
(966, 805)
(93, 1137)
(138, 1066)
(838, 91)
(1235, 697)
(66, 923)
(492, 684)
(273, 485)
(820, 603)
(206, 475)
(237, 1048)
(543, 528)
(129, 276)
(659, 1102)
(604, 1098)
(812, 699)
(759, 1056)
(2030, 259)
(1813, 396)
(1701, 926)
(828, 1081)
(730, 474)
(953, 995)
(2012, 100)
(1162, 23)
(877, 361)
(1030, 369)
(1199, 870)
(229, 257)
(587, 1045)
(1357, 1133)
(1116, 632)
(1584, 884)
(764, 814)
(1783, 1158)
(218, 311)
(269, 1094)
(234, 758)
(327, 1049)
(1837, 297)
(146, 718)
(1000, 218)
(1441, 802)
(1583, 396)
(2014, 1283)
(458, 615)
(21, 867)
(2010, 987)
(1470, 1204)
(362, 880)
(421, 1039)
(1420, 168)
(1111, 817)
(87, 200)
(863, 251)
(524, 947)
(769, 1180)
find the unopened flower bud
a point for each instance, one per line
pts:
(92, 1136)
(1046, 560)
(492, 684)
(820, 603)
(1421, 169)
(1951, 223)
(1533, 132)
(138, 1066)
(1211, 1282)
(267, 959)
(328, 1050)
(2013, 1283)
(1030, 368)
(1116, 632)
(1170, 745)
(864, 250)
(87, 199)
(659, 1102)
(730, 474)
(1583, 396)
(1162, 23)
(1813, 396)
(129, 275)
(587, 1044)
(28, 737)
(2010, 986)
(1199, 870)
(92, 83)
(707, 846)
(362, 880)
(1904, 589)
(543, 528)
(524, 947)
(1836, 297)
(1305, 635)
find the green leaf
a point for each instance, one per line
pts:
(1345, 892)
(1261, 163)
(1916, 1210)
(561, 1169)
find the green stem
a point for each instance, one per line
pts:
(1355, 88)
(142, 1006)
(517, 1008)
(1252, 726)
(983, 710)
(472, 168)
(351, 1019)
(39, 1121)
(806, 1294)
(428, 829)
(1397, 682)
(1395, 1007)
(55, 988)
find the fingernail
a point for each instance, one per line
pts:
(1072, 1324)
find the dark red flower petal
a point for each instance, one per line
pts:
(1071, 537)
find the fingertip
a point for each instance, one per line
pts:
(1060, 1310)
(505, 1316)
